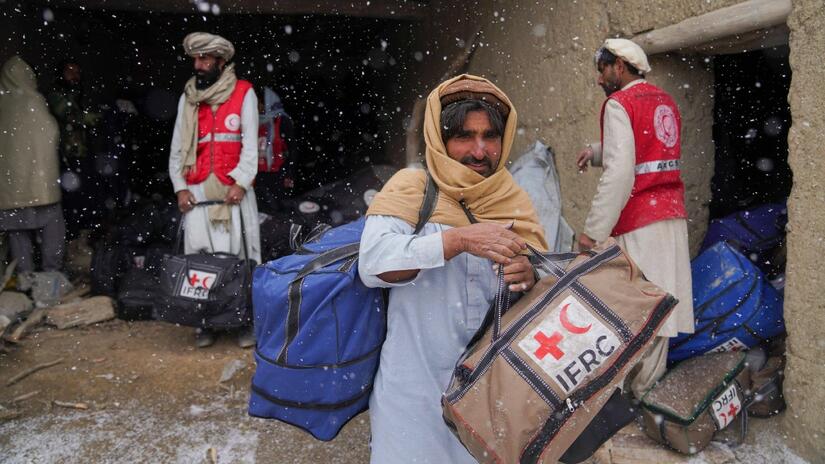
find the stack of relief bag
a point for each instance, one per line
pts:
(537, 374)
(731, 367)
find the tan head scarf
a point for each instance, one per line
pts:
(491, 199)
(202, 43)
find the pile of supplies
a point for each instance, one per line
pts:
(732, 366)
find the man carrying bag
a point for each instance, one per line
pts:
(442, 277)
(214, 157)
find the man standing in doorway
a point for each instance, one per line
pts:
(443, 278)
(78, 179)
(640, 199)
(69, 107)
(214, 156)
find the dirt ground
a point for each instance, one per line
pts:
(152, 397)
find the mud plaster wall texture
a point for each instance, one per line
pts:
(541, 54)
(804, 306)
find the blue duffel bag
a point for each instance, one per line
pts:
(319, 331)
(734, 306)
(756, 233)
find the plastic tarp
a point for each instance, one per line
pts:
(535, 172)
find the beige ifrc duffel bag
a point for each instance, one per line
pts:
(527, 387)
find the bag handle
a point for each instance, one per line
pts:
(501, 302)
(179, 235)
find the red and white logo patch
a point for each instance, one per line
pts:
(726, 406)
(197, 284)
(664, 121)
(232, 122)
(569, 344)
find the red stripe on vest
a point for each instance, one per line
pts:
(219, 138)
(658, 192)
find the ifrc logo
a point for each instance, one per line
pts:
(569, 344)
(197, 284)
(726, 406)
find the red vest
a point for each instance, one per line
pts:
(271, 146)
(219, 138)
(658, 192)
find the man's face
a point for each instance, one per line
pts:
(71, 73)
(608, 77)
(476, 146)
(207, 70)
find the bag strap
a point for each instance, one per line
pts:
(331, 256)
(179, 234)
(428, 204)
(467, 212)
(556, 264)
(326, 258)
(501, 302)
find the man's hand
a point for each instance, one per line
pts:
(585, 242)
(186, 201)
(485, 240)
(584, 158)
(519, 274)
(234, 195)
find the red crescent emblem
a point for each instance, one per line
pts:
(565, 322)
(206, 279)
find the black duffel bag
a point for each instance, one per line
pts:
(206, 290)
(136, 295)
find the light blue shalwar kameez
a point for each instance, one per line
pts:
(430, 321)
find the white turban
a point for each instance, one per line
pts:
(204, 43)
(628, 51)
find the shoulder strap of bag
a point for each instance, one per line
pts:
(336, 254)
(428, 205)
(347, 251)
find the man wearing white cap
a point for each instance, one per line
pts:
(640, 199)
(214, 156)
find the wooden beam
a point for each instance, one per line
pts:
(384, 9)
(749, 41)
(736, 19)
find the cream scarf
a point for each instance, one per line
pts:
(491, 199)
(215, 95)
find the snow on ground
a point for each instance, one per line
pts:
(129, 434)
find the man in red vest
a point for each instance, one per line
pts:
(640, 198)
(214, 156)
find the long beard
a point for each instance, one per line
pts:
(205, 79)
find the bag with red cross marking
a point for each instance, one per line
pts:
(696, 399)
(533, 378)
(207, 290)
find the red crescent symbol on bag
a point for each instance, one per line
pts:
(206, 279)
(565, 322)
